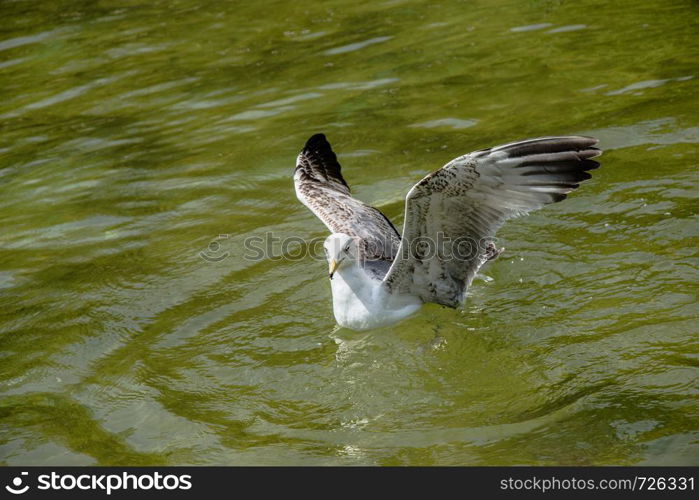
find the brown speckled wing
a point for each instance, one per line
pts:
(452, 214)
(321, 187)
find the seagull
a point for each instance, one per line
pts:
(378, 276)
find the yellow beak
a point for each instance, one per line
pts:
(332, 268)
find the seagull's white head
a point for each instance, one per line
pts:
(340, 250)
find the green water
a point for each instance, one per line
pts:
(133, 134)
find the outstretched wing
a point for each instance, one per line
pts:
(451, 214)
(320, 186)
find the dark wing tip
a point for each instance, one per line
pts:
(547, 145)
(593, 140)
(316, 141)
(594, 152)
(319, 162)
(317, 146)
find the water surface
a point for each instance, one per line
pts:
(135, 136)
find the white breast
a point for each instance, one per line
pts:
(363, 303)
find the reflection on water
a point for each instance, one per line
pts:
(135, 136)
(356, 46)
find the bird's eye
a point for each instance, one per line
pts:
(347, 248)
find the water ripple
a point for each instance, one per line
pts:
(356, 46)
